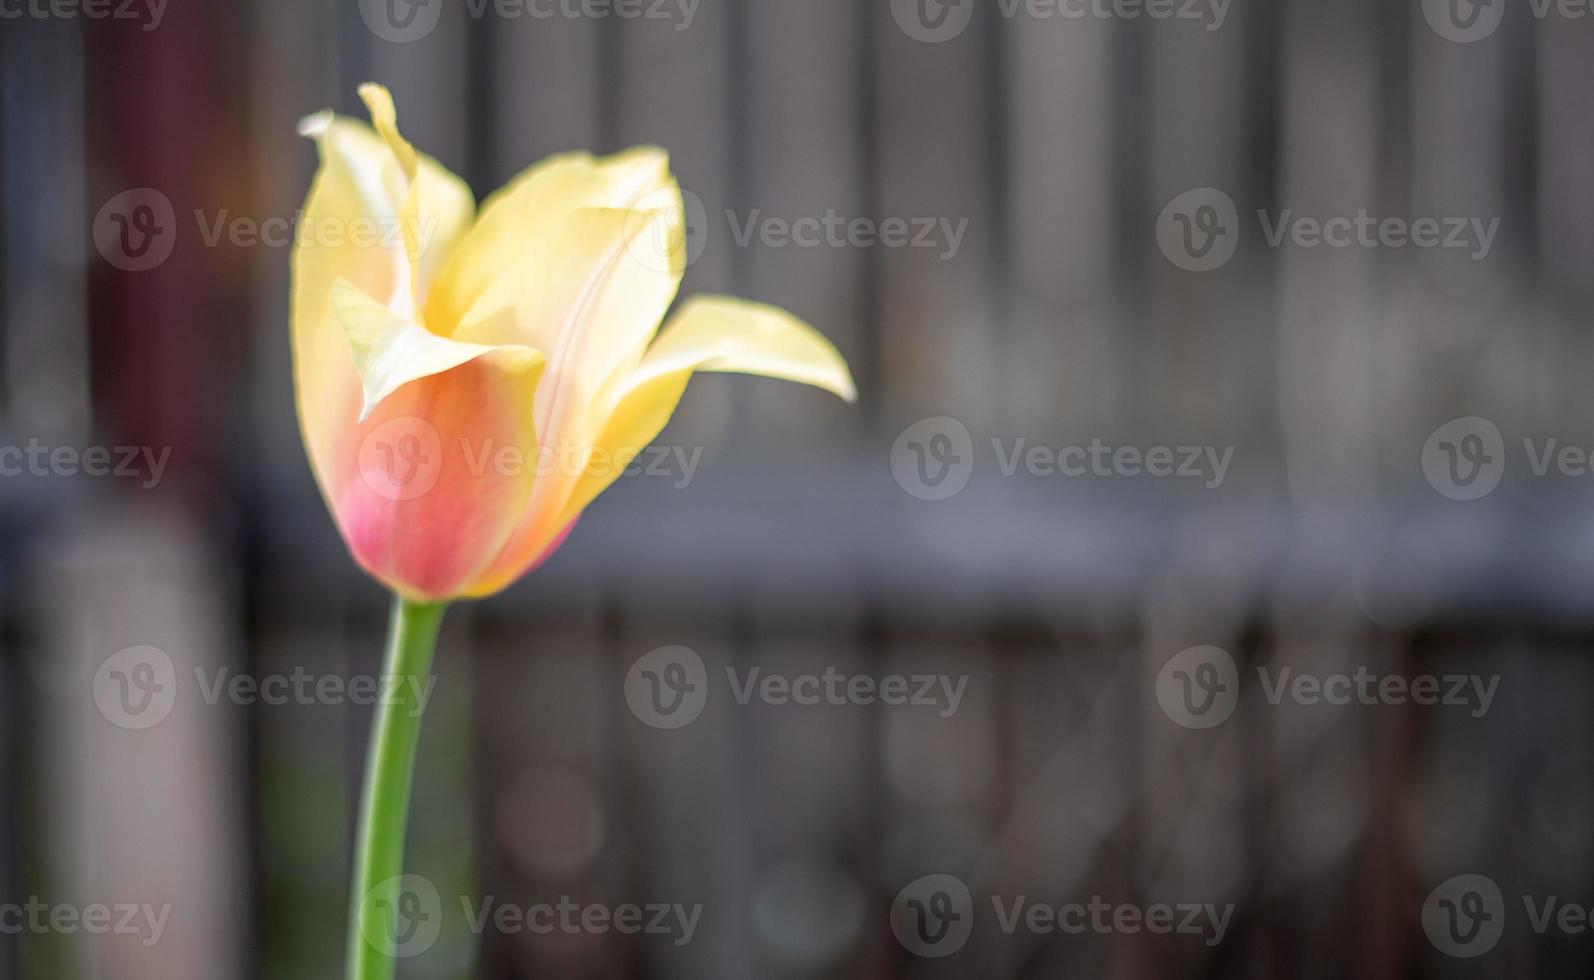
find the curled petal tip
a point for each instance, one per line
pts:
(374, 95)
(315, 124)
(384, 117)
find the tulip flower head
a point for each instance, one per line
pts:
(467, 381)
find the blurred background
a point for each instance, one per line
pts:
(1111, 210)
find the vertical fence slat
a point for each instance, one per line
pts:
(689, 773)
(142, 790)
(808, 794)
(45, 240)
(1204, 351)
(938, 323)
(671, 86)
(1067, 352)
(551, 826)
(803, 105)
(547, 77)
(283, 90)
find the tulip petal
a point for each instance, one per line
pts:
(346, 230)
(709, 333)
(385, 118)
(496, 246)
(379, 102)
(390, 352)
(592, 304)
(440, 475)
(585, 300)
(722, 333)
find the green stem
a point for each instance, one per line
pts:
(385, 799)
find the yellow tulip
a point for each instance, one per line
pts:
(468, 383)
